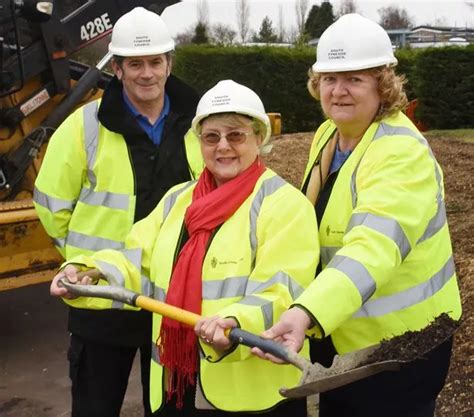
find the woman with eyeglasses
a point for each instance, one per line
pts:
(237, 247)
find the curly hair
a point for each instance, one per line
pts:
(389, 86)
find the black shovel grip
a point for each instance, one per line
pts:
(242, 337)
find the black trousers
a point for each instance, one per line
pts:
(99, 375)
(410, 392)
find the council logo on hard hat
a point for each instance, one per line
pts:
(220, 100)
(337, 54)
(142, 40)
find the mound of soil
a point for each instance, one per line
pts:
(413, 345)
(288, 158)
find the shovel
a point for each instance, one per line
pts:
(315, 377)
(235, 334)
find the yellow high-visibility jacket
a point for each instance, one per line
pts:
(385, 246)
(85, 193)
(258, 262)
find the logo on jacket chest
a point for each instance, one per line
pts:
(215, 261)
(331, 231)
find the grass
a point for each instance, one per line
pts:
(466, 135)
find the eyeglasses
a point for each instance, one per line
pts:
(234, 137)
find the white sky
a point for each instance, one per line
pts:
(182, 16)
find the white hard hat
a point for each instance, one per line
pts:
(140, 32)
(227, 96)
(353, 43)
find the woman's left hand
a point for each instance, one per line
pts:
(212, 331)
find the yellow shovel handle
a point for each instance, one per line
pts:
(167, 310)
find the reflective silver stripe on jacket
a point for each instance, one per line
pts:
(159, 293)
(357, 273)
(437, 222)
(234, 287)
(353, 187)
(171, 199)
(53, 204)
(114, 277)
(60, 242)
(91, 135)
(146, 286)
(439, 219)
(266, 307)
(134, 256)
(155, 354)
(104, 199)
(80, 240)
(327, 253)
(226, 288)
(409, 297)
(242, 286)
(268, 187)
(388, 227)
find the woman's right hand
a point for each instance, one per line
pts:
(290, 331)
(70, 274)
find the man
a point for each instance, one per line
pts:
(106, 167)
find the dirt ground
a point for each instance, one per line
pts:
(457, 160)
(33, 342)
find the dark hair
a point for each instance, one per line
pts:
(119, 59)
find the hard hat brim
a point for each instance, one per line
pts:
(127, 52)
(354, 65)
(252, 114)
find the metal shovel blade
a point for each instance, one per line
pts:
(327, 383)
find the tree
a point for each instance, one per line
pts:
(281, 25)
(266, 32)
(393, 17)
(203, 12)
(319, 19)
(223, 35)
(292, 35)
(243, 19)
(346, 6)
(200, 34)
(301, 7)
(186, 37)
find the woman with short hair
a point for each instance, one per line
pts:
(237, 246)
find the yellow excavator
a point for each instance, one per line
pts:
(39, 87)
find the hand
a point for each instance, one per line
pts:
(212, 331)
(290, 331)
(69, 274)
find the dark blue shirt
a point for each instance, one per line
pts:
(154, 131)
(338, 159)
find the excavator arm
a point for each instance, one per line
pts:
(39, 87)
(36, 43)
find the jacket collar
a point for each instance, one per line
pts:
(115, 116)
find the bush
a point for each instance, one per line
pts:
(406, 65)
(445, 87)
(278, 75)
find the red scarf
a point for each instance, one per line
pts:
(211, 206)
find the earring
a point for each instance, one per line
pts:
(381, 110)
